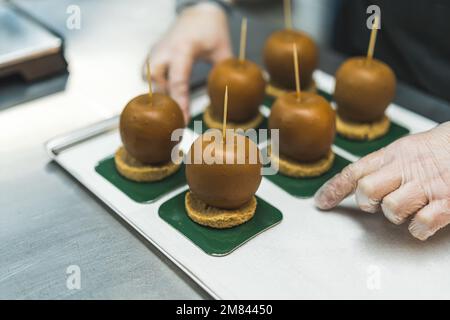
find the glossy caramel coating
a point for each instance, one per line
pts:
(146, 126)
(226, 186)
(364, 89)
(278, 58)
(307, 126)
(246, 89)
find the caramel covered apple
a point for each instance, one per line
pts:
(247, 85)
(228, 182)
(306, 126)
(247, 90)
(146, 126)
(364, 89)
(223, 171)
(278, 59)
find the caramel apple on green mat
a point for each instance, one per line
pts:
(146, 126)
(306, 124)
(364, 89)
(223, 171)
(247, 85)
(247, 90)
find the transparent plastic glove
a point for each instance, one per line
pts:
(200, 32)
(410, 178)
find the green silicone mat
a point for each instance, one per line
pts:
(268, 101)
(362, 148)
(140, 191)
(218, 242)
(359, 148)
(307, 187)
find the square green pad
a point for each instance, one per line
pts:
(359, 148)
(218, 242)
(143, 192)
(307, 187)
(362, 148)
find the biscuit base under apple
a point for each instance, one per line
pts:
(218, 218)
(134, 170)
(213, 123)
(274, 91)
(295, 169)
(362, 131)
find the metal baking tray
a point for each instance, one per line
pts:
(343, 253)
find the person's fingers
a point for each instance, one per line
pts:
(159, 59)
(221, 54)
(430, 219)
(159, 75)
(344, 183)
(179, 74)
(403, 202)
(374, 187)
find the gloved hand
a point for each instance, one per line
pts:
(200, 32)
(408, 178)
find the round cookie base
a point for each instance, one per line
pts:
(292, 168)
(217, 218)
(362, 131)
(274, 91)
(212, 123)
(134, 170)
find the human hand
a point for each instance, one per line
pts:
(200, 32)
(410, 177)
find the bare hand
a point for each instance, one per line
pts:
(200, 32)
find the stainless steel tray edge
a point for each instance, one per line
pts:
(59, 143)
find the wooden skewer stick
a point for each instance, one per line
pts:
(225, 110)
(297, 74)
(149, 80)
(287, 14)
(243, 44)
(373, 39)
